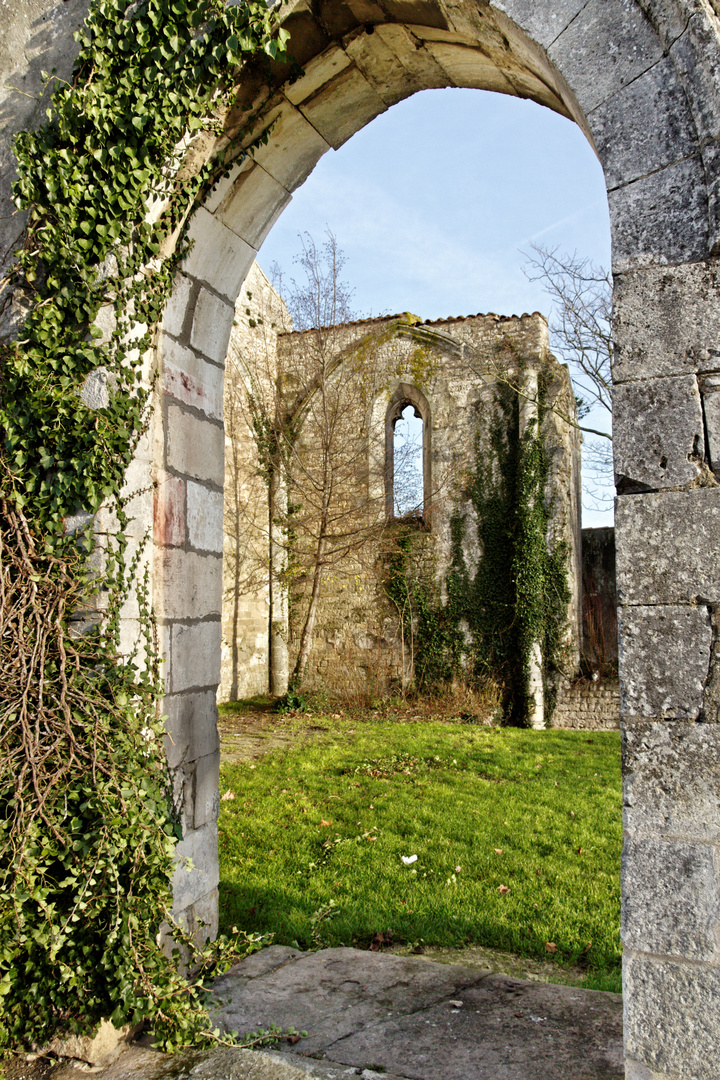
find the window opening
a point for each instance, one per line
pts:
(408, 478)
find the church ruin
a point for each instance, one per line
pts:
(429, 531)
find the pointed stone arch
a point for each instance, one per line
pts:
(408, 394)
(640, 79)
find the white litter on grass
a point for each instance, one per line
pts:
(408, 860)
(456, 1004)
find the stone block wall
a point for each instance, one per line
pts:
(588, 705)
(668, 588)
(452, 372)
(188, 477)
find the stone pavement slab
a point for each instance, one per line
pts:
(223, 1063)
(421, 1020)
(382, 1017)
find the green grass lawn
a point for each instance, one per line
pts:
(517, 836)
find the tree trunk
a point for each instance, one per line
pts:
(307, 632)
(278, 628)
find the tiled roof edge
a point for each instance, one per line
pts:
(427, 322)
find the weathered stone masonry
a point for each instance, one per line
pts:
(640, 77)
(454, 372)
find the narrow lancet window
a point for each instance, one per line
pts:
(408, 478)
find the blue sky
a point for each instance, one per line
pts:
(434, 202)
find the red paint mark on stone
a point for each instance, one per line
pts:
(184, 388)
(169, 512)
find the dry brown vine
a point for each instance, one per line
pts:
(46, 703)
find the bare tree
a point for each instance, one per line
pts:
(308, 404)
(581, 335)
(581, 319)
(322, 299)
(336, 509)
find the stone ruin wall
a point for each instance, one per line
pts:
(260, 315)
(457, 365)
(358, 646)
(589, 706)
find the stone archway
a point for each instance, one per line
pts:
(640, 78)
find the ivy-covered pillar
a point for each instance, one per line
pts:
(528, 429)
(111, 474)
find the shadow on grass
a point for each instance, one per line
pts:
(263, 909)
(288, 914)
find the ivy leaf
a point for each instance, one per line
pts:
(85, 180)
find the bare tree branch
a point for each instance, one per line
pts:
(580, 321)
(580, 328)
(306, 403)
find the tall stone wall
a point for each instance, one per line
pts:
(251, 369)
(455, 373)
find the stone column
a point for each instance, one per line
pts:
(187, 592)
(529, 420)
(667, 326)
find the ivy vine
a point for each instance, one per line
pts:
(87, 823)
(147, 76)
(517, 594)
(430, 628)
